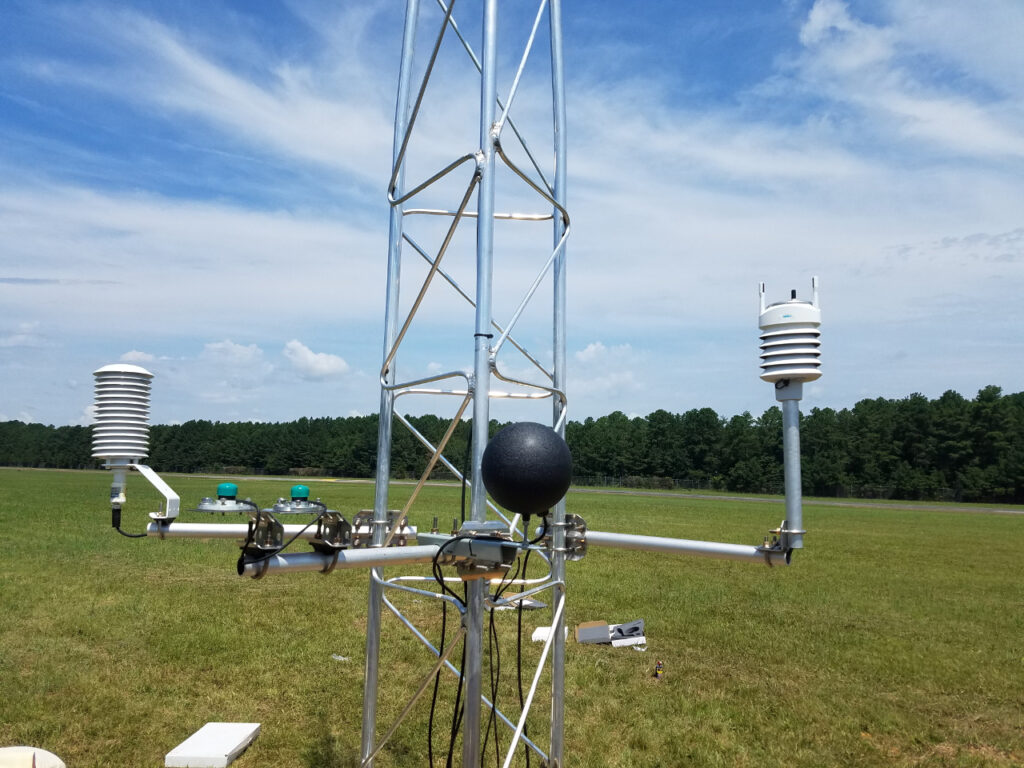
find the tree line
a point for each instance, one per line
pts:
(948, 448)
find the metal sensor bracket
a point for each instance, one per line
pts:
(575, 537)
(781, 535)
(363, 524)
(267, 535)
(480, 550)
(333, 533)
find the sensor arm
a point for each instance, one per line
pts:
(178, 530)
(371, 557)
(712, 549)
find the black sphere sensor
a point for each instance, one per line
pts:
(527, 468)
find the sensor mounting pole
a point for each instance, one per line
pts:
(791, 355)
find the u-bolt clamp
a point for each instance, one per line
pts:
(330, 566)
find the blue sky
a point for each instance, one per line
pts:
(200, 188)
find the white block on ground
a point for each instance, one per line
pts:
(624, 641)
(215, 745)
(28, 757)
(540, 634)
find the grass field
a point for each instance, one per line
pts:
(895, 638)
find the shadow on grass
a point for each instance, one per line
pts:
(327, 751)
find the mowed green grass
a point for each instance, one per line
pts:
(895, 638)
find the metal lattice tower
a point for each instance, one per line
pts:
(479, 168)
(497, 163)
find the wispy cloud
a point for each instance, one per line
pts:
(136, 356)
(886, 72)
(167, 254)
(339, 123)
(25, 335)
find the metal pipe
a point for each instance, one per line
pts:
(458, 289)
(372, 557)
(435, 178)
(451, 467)
(519, 595)
(392, 584)
(481, 375)
(387, 399)
(711, 549)
(407, 118)
(562, 227)
(533, 688)
(511, 124)
(429, 380)
(559, 193)
(454, 670)
(791, 466)
(473, 214)
(416, 696)
(426, 472)
(179, 530)
(519, 72)
(434, 267)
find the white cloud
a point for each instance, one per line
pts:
(88, 415)
(135, 356)
(228, 352)
(592, 351)
(22, 415)
(597, 353)
(313, 365)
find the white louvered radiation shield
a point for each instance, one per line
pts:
(791, 338)
(121, 419)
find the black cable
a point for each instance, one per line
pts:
(541, 535)
(457, 712)
(252, 531)
(465, 472)
(519, 656)
(436, 568)
(494, 666)
(490, 672)
(115, 522)
(437, 681)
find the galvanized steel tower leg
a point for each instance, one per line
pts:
(559, 346)
(481, 373)
(380, 504)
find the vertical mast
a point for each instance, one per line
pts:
(481, 371)
(559, 381)
(387, 398)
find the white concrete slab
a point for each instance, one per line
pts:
(215, 745)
